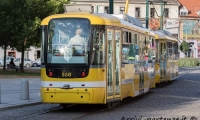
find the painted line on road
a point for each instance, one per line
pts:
(182, 75)
(178, 77)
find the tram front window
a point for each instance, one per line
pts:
(68, 41)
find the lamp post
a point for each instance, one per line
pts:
(147, 13)
(161, 16)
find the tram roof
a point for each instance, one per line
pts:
(101, 19)
(95, 19)
(164, 36)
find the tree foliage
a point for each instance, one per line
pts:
(6, 23)
(22, 20)
(184, 46)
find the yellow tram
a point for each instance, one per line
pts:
(92, 58)
(167, 57)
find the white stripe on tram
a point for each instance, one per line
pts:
(80, 84)
(73, 84)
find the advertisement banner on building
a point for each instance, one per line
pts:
(154, 24)
(172, 23)
(191, 29)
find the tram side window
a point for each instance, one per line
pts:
(125, 48)
(176, 54)
(169, 50)
(157, 51)
(129, 37)
(163, 51)
(98, 45)
(135, 38)
(152, 52)
(141, 46)
(146, 48)
(136, 47)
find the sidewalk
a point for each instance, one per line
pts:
(10, 92)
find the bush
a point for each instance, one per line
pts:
(188, 62)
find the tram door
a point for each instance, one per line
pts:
(113, 63)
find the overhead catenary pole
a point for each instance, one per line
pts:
(161, 15)
(97, 9)
(111, 6)
(126, 9)
(147, 13)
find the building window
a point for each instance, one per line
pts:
(137, 12)
(175, 35)
(183, 14)
(166, 12)
(152, 12)
(106, 9)
(92, 9)
(121, 10)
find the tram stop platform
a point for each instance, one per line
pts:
(12, 96)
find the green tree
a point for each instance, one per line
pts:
(184, 47)
(6, 22)
(26, 27)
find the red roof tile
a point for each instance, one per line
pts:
(192, 5)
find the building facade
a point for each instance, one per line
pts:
(33, 53)
(169, 9)
(189, 12)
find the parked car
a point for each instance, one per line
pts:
(37, 62)
(8, 59)
(27, 62)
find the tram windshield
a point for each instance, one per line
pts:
(68, 41)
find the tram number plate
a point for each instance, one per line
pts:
(66, 74)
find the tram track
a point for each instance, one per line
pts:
(87, 112)
(41, 113)
(26, 117)
(114, 105)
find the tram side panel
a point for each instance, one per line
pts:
(128, 80)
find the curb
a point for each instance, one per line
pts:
(5, 107)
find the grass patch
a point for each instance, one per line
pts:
(189, 62)
(25, 73)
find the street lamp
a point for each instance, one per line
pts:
(98, 7)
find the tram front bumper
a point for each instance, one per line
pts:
(73, 96)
